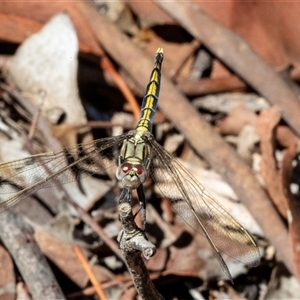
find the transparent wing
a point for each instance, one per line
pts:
(47, 169)
(201, 211)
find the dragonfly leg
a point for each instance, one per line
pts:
(142, 207)
(147, 163)
(125, 196)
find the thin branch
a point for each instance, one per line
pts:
(18, 238)
(89, 272)
(133, 242)
(211, 85)
(265, 128)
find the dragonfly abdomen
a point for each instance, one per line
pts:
(150, 99)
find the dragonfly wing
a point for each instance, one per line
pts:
(46, 170)
(200, 210)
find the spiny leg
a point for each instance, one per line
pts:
(125, 196)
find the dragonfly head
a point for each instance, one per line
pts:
(131, 175)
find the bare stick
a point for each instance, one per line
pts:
(17, 236)
(133, 242)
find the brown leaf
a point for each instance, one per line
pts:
(62, 255)
(158, 262)
(265, 127)
(236, 120)
(186, 261)
(285, 136)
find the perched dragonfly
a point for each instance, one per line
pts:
(136, 156)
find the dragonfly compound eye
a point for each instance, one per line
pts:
(126, 167)
(122, 170)
(141, 172)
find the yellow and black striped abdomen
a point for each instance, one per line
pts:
(150, 100)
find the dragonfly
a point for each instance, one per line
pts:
(137, 156)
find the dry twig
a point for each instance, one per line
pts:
(17, 236)
(90, 272)
(132, 242)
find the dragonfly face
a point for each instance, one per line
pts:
(131, 175)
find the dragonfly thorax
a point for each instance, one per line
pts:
(131, 175)
(134, 161)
